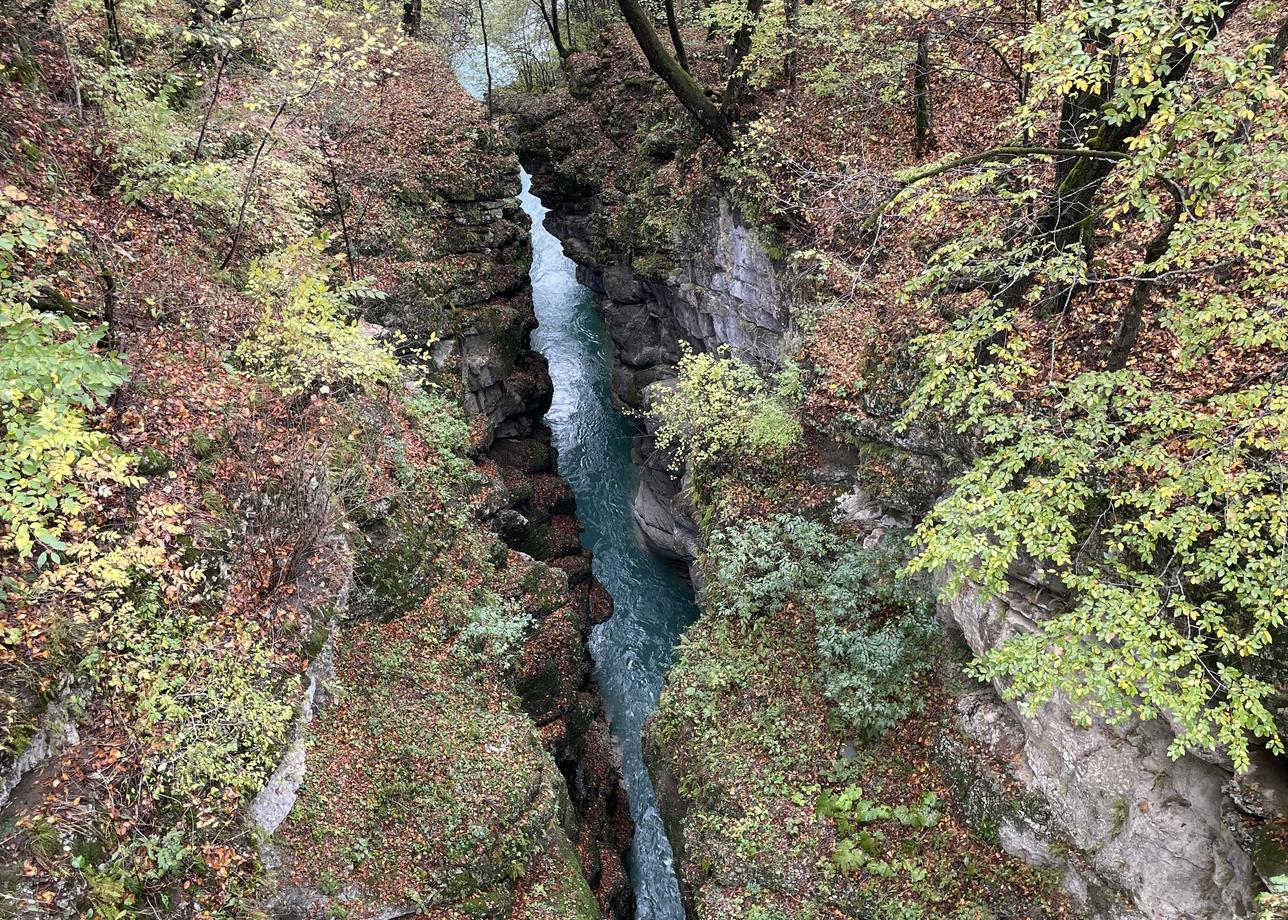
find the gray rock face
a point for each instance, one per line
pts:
(57, 729)
(1150, 826)
(724, 293)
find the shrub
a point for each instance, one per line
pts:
(52, 462)
(151, 146)
(721, 411)
(494, 629)
(874, 628)
(306, 337)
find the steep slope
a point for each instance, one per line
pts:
(313, 594)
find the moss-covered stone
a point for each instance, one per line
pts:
(153, 462)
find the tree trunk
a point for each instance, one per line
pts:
(210, 109)
(923, 129)
(250, 183)
(350, 253)
(1067, 218)
(735, 54)
(677, 40)
(1133, 315)
(1129, 326)
(487, 58)
(552, 25)
(791, 16)
(411, 17)
(113, 29)
(1278, 48)
(685, 88)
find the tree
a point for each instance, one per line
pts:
(1151, 495)
(411, 16)
(487, 57)
(677, 40)
(924, 137)
(736, 52)
(690, 93)
(551, 17)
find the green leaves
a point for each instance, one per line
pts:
(53, 464)
(720, 410)
(306, 337)
(1155, 499)
(873, 629)
(860, 848)
(1166, 519)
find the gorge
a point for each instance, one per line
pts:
(720, 461)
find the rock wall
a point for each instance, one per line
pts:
(723, 293)
(458, 286)
(383, 608)
(530, 507)
(1134, 833)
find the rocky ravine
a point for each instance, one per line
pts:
(573, 822)
(1105, 806)
(728, 295)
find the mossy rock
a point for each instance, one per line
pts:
(153, 462)
(428, 763)
(903, 480)
(394, 569)
(980, 796)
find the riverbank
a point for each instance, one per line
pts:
(745, 744)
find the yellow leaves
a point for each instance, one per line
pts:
(13, 193)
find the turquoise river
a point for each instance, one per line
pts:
(652, 604)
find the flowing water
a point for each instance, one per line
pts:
(652, 604)
(632, 650)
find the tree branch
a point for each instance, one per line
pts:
(681, 82)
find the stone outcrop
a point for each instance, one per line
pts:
(1134, 833)
(1147, 825)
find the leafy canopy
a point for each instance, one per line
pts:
(1156, 502)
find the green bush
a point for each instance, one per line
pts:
(494, 629)
(53, 463)
(721, 411)
(151, 147)
(874, 628)
(306, 337)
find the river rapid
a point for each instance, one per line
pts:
(652, 603)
